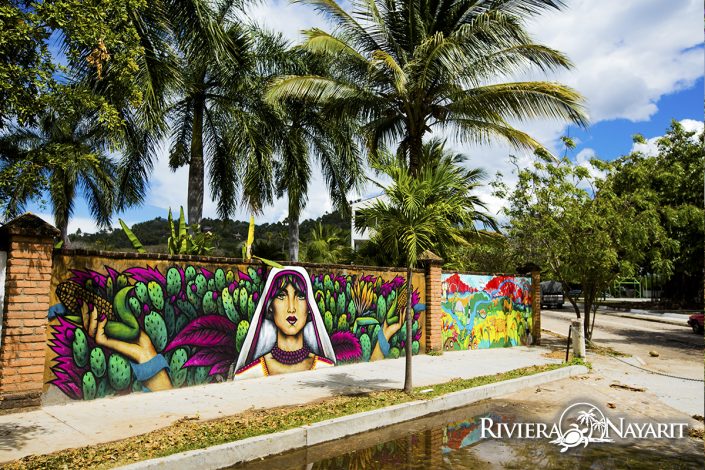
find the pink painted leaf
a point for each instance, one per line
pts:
(210, 331)
(210, 357)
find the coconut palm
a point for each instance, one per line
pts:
(68, 150)
(408, 68)
(426, 211)
(304, 135)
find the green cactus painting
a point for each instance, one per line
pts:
(90, 387)
(119, 372)
(155, 327)
(80, 348)
(98, 362)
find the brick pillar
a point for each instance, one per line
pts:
(29, 242)
(434, 315)
(536, 306)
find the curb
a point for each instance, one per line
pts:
(651, 318)
(258, 447)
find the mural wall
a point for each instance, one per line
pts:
(483, 311)
(144, 328)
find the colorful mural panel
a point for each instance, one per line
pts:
(142, 329)
(482, 311)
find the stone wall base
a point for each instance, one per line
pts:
(11, 403)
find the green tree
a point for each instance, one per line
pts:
(25, 63)
(202, 134)
(670, 182)
(567, 219)
(408, 68)
(428, 211)
(69, 152)
(121, 53)
(487, 252)
(326, 244)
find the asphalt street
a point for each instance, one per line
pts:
(676, 376)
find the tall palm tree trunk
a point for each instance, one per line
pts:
(64, 229)
(196, 166)
(415, 151)
(293, 220)
(409, 325)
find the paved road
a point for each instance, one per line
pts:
(680, 355)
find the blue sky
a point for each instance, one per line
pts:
(639, 64)
(613, 138)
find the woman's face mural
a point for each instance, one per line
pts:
(116, 331)
(289, 309)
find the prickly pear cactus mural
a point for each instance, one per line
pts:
(485, 311)
(198, 320)
(188, 316)
(359, 311)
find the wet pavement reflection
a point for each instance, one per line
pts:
(453, 440)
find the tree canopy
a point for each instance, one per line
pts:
(409, 68)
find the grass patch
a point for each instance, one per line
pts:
(579, 361)
(191, 433)
(605, 350)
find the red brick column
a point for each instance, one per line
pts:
(536, 306)
(434, 315)
(29, 242)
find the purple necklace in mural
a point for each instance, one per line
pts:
(290, 357)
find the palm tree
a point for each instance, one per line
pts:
(169, 32)
(411, 67)
(69, 152)
(302, 134)
(326, 244)
(426, 211)
(208, 116)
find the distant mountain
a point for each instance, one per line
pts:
(229, 234)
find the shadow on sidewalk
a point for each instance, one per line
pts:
(13, 436)
(346, 384)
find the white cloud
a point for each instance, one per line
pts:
(627, 54)
(285, 17)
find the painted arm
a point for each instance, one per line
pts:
(387, 331)
(140, 351)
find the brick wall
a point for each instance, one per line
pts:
(434, 315)
(28, 241)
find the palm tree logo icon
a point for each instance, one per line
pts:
(581, 423)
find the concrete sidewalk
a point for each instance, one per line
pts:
(78, 424)
(679, 319)
(670, 318)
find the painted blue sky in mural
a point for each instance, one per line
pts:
(639, 63)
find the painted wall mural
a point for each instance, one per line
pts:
(485, 311)
(140, 329)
